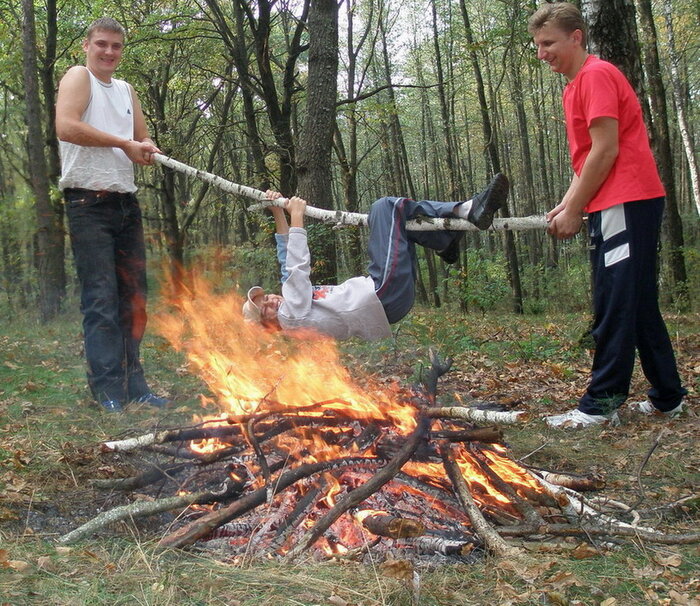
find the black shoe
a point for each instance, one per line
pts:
(112, 406)
(486, 203)
(152, 400)
(450, 254)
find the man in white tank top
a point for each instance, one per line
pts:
(102, 133)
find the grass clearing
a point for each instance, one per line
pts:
(48, 453)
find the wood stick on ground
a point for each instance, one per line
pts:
(577, 510)
(477, 416)
(492, 540)
(578, 483)
(140, 509)
(652, 448)
(169, 435)
(150, 476)
(355, 497)
(569, 530)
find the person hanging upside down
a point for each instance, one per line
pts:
(363, 306)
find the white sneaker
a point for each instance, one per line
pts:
(648, 408)
(575, 419)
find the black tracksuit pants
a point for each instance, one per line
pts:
(624, 244)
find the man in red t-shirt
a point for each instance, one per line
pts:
(616, 182)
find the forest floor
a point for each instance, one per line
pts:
(49, 450)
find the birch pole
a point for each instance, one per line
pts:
(342, 218)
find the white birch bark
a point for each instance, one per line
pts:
(342, 218)
(680, 108)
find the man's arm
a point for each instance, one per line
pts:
(71, 102)
(296, 207)
(281, 225)
(565, 219)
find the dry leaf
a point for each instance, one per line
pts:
(397, 569)
(564, 579)
(554, 597)
(60, 550)
(682, 598)
(336, 600)
(19, 565)
(648, 572)
(585, 550)
(609, 602)
(673, 560)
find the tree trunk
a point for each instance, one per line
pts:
(453, 190)
(492, 148)
(316, 140)
(661, 142)
(49, 236)
(678, 98)
(612, 35)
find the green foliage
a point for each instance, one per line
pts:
(482, 282)
(322, 248)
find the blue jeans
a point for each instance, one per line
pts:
(106, 232)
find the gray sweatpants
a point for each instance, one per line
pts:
(392, 248)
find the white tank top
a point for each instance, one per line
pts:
(110, 109)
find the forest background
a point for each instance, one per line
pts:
(343, 103)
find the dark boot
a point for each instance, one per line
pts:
(486, 203)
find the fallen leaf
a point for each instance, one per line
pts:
(648, 572)
(585, 550)
(674, 560)
(63, 550)
(554, 597)
(609, 602)
(19, 565)
(564, 579)
(397, 569)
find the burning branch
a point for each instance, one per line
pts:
(358, 495)
(493, 542)
(204, 525)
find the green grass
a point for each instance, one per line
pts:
(50, 432)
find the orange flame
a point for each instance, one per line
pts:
(253, 370)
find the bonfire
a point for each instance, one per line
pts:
(305, 458)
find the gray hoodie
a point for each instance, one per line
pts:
(350, 309)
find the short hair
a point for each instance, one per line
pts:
(562, 15)
(107, 24)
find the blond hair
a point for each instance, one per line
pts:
(562, 15)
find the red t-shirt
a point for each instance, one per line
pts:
(601, 90)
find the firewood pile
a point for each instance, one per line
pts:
(320, 479)
(305, 459)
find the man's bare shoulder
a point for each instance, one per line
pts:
(76, 75)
